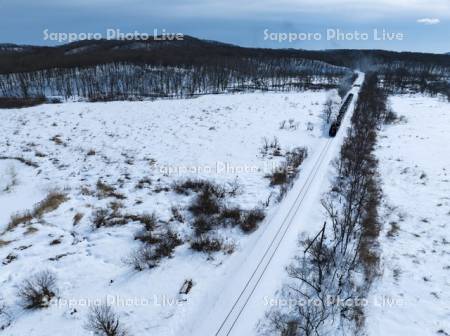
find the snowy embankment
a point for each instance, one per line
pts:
(126, 156)
(413, 294)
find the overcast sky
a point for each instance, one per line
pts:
(424, 24)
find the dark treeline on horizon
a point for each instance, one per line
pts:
(123, 69)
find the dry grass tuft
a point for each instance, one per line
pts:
(77, 218)
(105, 190)
(20, 159)
(18, 219)
(50, 203)
(4, 243)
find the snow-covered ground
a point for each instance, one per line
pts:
(412, 297)
(140, 149)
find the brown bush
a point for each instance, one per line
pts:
(202, 224)
(278, 177)
(205, 203)
(251, 220)
(231, 216)
(206, 244)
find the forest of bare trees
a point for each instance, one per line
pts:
(114, 70)
(428, 80)
(124, 80)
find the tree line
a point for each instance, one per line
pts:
(123, 69)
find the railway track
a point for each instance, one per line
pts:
(233, 315)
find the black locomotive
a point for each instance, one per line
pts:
(337, 123)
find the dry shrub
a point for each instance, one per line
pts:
(198, 185)
(205, 203)
(155, 245)
(37, 291)
(111, 216)
(232, 216)
(202, 224)
(149, 220)
(206, 244)
(100, 218)
(288, 171)
(57, 139)
(142, 258)
(167, 243)
(104, 321)
(105, 190)
(295, 157)
(144, 182)
(251, 220)
(176, 214)
(279, 176)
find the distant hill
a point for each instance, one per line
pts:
(190, 51)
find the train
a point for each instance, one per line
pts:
(337, 123)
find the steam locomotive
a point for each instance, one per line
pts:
(337, 123)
